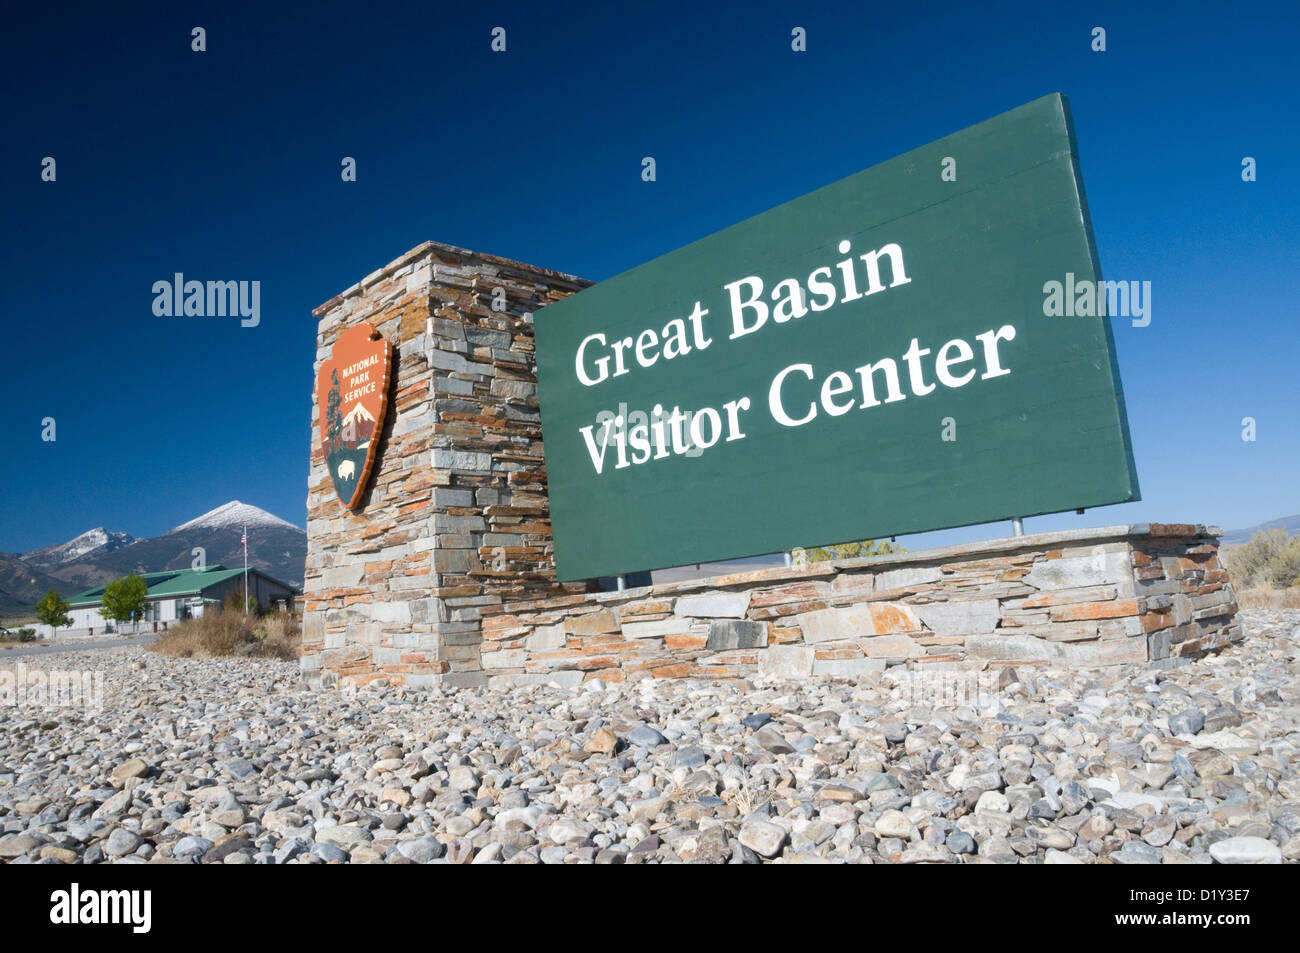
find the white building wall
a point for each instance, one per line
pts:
(88, 621)
(84, 620)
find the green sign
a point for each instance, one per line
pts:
(875, 358)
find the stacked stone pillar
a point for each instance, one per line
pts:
(456, 518)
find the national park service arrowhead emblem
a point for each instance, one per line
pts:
(352, 397)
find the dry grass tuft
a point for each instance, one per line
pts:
(280, 637)
(226, 634)
(1262, 597)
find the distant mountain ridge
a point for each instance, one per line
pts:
(93, 542)
(22, 585)
(1235, 537)
(97, 556)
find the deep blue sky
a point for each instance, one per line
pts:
(225, 165)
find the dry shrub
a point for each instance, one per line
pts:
(212, 635)
(1263, 597)
(223, 634)
(867, 547)
(279, 636)
(1270, 559)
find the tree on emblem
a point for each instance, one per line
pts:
(333, 419)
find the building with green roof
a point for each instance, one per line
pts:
(176, 594)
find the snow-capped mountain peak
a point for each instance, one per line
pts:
(234, 515)
(91, 541)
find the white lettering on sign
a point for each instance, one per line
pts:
(644, 348)
(797, 395)
(785, 401)
(787, 296)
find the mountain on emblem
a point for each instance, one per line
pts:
(352, 397)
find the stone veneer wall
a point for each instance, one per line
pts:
(445, 572)
(456, 517)
(1146, 593)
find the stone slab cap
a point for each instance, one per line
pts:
(1177, 530)
(425, 248)
(779, 574)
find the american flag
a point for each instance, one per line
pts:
(243, 540)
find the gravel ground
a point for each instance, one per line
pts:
(234, 762)
(83, 643)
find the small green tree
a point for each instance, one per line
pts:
(125, 599)
(53, 610)
(867, 547)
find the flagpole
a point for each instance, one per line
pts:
(245, 541)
